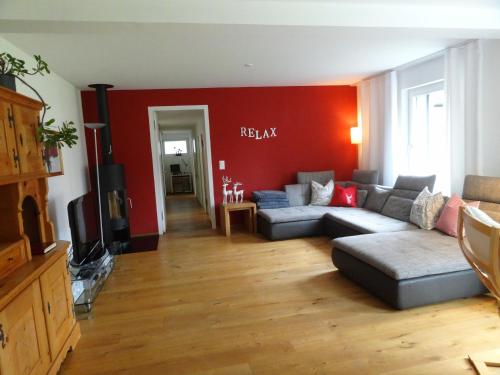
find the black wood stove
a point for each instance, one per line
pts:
(115, 202)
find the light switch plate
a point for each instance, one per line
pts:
(222, 165)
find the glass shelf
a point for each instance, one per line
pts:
(88, 280)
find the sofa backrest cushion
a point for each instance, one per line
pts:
(361, 196)
(376, 199)
(482, 188)
(322, 177)
(486, 190)
(298, 194)
(415, 183)
(398, 208)
(408, 194)
(366, 177)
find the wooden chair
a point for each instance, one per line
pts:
(480, 244)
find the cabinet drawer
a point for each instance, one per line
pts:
(12, 256)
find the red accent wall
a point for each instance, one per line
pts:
(313, 133)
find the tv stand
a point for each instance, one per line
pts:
(87, 280)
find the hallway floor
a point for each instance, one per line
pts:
(185, 214)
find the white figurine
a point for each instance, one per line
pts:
(226, 193)
(238, 194)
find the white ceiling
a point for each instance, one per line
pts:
(180, 119)
(200, 43)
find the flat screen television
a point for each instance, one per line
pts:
(84, 225)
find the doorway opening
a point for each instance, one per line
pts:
(182, 165)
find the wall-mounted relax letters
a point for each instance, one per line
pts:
(257, 134)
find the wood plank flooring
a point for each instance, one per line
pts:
(205, 304)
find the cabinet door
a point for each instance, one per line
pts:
(8, 148)
(24, 349)
(58, 305)
(28, 146)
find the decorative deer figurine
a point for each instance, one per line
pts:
(238, 194)
(226, 193)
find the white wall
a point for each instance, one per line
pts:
(199, 165)
(421, 73)
(64, 100)
(490, 108)
(186, 161)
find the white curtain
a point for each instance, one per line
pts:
(378, 103)
(463, 77)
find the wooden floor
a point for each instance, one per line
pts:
(206, 304)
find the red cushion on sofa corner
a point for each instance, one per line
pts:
(344, 196)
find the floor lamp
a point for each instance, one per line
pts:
(94, 126)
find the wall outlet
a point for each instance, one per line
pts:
(222, 165)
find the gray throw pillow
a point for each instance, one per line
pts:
(361, 196)
(398, 208)
(376, 199)
(321, 195)
(426, 209)
(298, 194)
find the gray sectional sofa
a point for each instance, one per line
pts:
(302, 220)
(376, 246)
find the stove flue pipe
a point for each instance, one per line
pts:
(103, 112)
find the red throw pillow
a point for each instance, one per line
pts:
(344, 196)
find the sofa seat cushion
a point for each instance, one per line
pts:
(366, 221)
(297, 213)
(406, 255)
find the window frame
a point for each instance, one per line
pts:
(186, 142)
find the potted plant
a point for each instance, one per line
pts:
(12, 68)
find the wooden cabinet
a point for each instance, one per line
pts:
(57, 305)
(24, 349)
(181, 183)
(29, 149)
(8, 148)
(12, 256)
(20, 150)
(37, 325)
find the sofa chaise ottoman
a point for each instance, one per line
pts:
(417, 267)
(407, 269)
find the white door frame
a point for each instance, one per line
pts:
(154, 133)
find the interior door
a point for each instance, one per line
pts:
(8, 149)
(24, 349)
(58, 305)
(28, 146)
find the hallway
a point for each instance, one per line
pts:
(185, 214)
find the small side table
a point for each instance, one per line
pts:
(250, 216)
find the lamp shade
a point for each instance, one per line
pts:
(94, 125)
(356, 135)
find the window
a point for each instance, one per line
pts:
(427, 151)
(175, 147)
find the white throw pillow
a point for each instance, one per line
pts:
(426, 209)
(321, 195)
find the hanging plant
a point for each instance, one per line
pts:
(51, 136)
